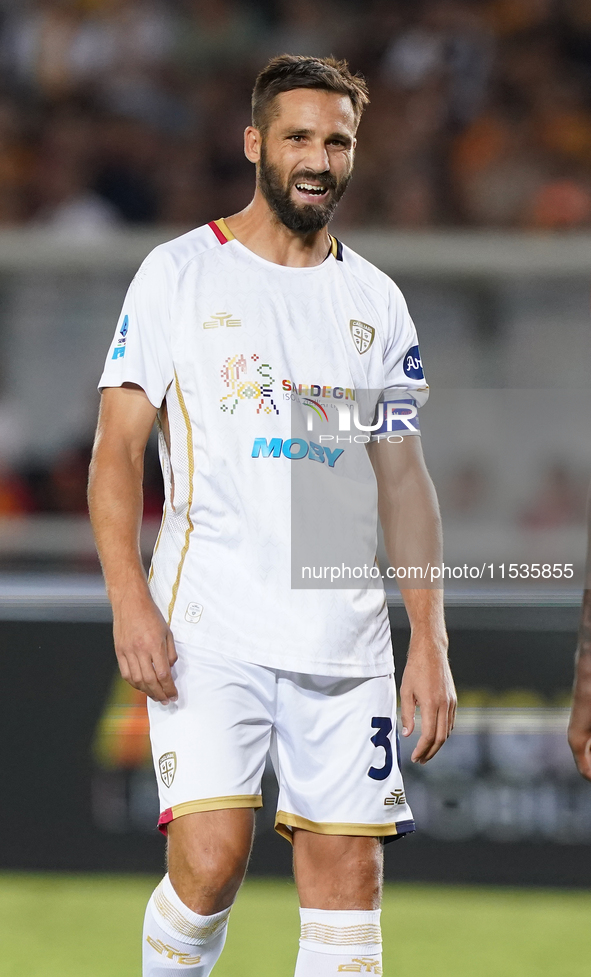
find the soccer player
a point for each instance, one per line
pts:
(224, 334)
(579, 729)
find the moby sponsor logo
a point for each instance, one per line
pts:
(295, 449)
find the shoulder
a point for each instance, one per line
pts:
(382, 294)
(169, 259)
(370, 277)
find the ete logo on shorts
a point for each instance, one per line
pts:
(398, 797)
(171, 952)
(363, 335)
(360, 965)
(193, 612)
(167, 766)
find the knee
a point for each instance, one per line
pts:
(207, 881)
(207, 870)
(222, 868)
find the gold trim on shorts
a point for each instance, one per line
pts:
(283, 821)
(217, 804)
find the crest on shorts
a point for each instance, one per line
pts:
(167, 766)
(363, 335)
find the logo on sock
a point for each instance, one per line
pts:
(167, 765)
(361, 965)
(172, 953)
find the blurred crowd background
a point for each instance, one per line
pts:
(132, 111)
(128, 114)
(121, 126)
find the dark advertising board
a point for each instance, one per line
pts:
(502, 803)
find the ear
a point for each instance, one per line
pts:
(252, 144)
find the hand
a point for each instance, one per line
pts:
(145, 648)
(579, 728)
(427, 682)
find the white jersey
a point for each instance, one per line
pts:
(225, 341)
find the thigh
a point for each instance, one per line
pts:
(209, 748)
(337, 757)
(337, 871)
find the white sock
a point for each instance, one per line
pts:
(177, 940)
(336, 942)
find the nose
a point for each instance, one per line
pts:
(317, 158)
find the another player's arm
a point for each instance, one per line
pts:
(411, 523)
(143, 642)
(579, 727)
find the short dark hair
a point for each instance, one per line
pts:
(289, 71)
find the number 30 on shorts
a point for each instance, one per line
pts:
(383, 724)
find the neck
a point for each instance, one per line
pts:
(259, 230)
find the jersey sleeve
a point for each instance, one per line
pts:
(141, 348)
(405, 387)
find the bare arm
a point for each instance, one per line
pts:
(579, 729)
(410, 520)
(143, 642)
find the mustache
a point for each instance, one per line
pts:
(327, 179)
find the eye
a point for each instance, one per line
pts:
(296, 138)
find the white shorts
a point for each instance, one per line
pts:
(332, 741)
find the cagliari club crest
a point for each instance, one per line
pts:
(363, 335)
(167, 765)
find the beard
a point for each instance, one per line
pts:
(304, 218)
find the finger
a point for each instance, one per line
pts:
(133, 672)
(171, 649)
(580, 744)
(428, 733)
(124, 668)
(407, 712)
(585, 760)
(161, 668)
(451, 717)
(151, 683)
(441, 734)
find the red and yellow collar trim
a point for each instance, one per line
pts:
(224, 234)
(221, 231)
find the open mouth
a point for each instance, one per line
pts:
(311, 191)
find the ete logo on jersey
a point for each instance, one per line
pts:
(221, 319)
(171, 952)
(167, 767)
(360, 965)
(363, 335)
